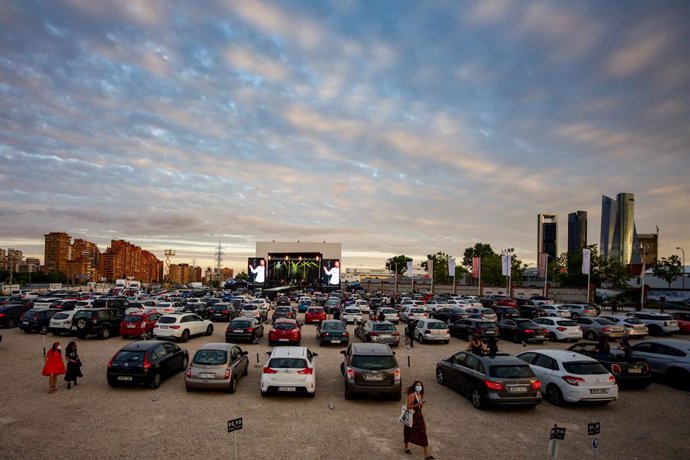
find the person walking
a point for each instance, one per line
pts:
(73, 364)
(53, 366)
(416, 434)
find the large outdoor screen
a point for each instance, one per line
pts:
(330, 275)
(256, 269)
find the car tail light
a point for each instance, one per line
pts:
(175, 327)
(612, 379)
(350, 373)
(646, 366)
(396, 333)
(268, 370)
(147, 363)
(110, 363)
(529, 331)
(2, 315)
(225, 312)
(572, 380)
(561, 328)
(396, 375)
(250, 329)
(189, 373)
(493, 385)
(616, 369)
(373, 333)
(36, 317)
(226, 376)
(606, 329)
(346, 334)
(306, 371)
(324, 334)
(536, 385)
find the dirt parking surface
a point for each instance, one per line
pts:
(96, 421)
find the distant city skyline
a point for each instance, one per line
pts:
(392, 127)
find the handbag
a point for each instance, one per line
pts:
(406, 416)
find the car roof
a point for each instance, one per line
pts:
(215, 346)
(285, 320)
(142, 345)
(500, 359)
(283, 352)
(372, 349)
(563, 355)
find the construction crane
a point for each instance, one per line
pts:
(168, 254)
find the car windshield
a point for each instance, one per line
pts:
(374, 363)
(562, 308)
(355, 311)
(287, 363)
(163, 305)
(603, 321)
(167, 319)
(129, 356)
(417, 310)
(211, 357)
(386, 311)
(436, 325)
(283, 310)
(335, 326)
(241, 324)
(315, 310)
(566, 323)
(510, 372)
(384, 327)
(249, 307)
(485, 325)
(61, 316)
(634, 321)
(526, 323)
(131, 318)
(284, 326)
(81, 314)
(584, 368)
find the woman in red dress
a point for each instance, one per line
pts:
(416, 434)
(54, 366)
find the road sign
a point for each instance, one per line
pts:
(557, 433)
(595, 443)
(235, 424)
(593, 428)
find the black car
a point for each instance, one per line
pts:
(283, 301)
(332, 331)
(522, 330)
(11, 315)
(198, 308)
(37, 320)
(531, 311)
(498, 379)
(628, 372)
(102, 322)
(283, 312)
(250, 329)
(468, 327)
(222, 312)
(111, 302)
(449, 314)
(146, 362)
(506, 312)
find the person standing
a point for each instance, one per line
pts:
(416, 434)
(53, 366)
(409, 333)
(73, 364)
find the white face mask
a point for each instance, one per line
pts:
(418, 388)
(59, 348)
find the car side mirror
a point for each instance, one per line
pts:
(245, 353)
(315, 354)
(268, 353)
(342, 352)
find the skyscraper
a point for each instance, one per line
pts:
(58, 250)
(547, 234)
(577, 231)
(608, 222)
(618, 233)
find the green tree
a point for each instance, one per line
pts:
(614, 274)
(668, 269)
(398, 264)
(241, 276)
(491, 263)
(440, 274)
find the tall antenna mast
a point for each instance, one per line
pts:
(219, 258)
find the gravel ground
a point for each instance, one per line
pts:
(93, 420)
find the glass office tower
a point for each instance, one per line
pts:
(547, 234)
(577, 232)
(618, 234)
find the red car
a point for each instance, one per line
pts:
(506, 302)
(683, 319)
(314, 315)
(139, 325)
(285, 331)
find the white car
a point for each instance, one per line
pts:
(289, 370)
(88, 303)
(560, 328)
(413, 313)
(485, 314)
(657, 323)
(181, 326)
(45, 303)
(434, 305)
(363, 305)
(431, 330)
(389, 314)
(634, 328)
(567, 376)
(557, 310)
(165, 308)
(352, 315)
(61, 322)
(263, 304)
(251, 310)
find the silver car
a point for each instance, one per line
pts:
(596, 328)
(668, 357)
(216, 366)
(431, 330)
(634, 328)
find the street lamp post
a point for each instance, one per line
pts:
(642, 248)
(509, 253)
(683, 275)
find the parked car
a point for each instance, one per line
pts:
(61, 322)
(433, 305)
(249, 310)
(505, 301)
(371, 369)
(669, 358)
(378, 332)
(283, 312)
(571, 377)
(412, 313)
(352, 315)
(522, 330)
(222, 311)
(683, 320)
(389, 314)
(11, 315)
(469, 327)
(283, 300)
(450, 315)
(332, 331)
(303, 304)
(314, 315)
(146, 362)
(290, 370)
(556, 310)
(499, 379)
(111, 302)
(597, 328)
(541, 300)
(364, 306)
(139, 325)
(531, 311)
(629, 372)
(287, 331)
(560, 328)
(431, 330)
(182, 326)
(242, 328)
(216, 366)
(634, 328)
(486, 314)
(505, 312)
(579, 309)
(102, 322)
(657, 323)
(37, 320)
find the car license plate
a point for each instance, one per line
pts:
(520, 389)
(163, 327)
(287, 389)
(335, 341)
(238, 331)
(634, 370)
(125, 378)
(131, 326)
(598, 391)
(25, 322)
(283, 340)
(374, 377)
(207, 376)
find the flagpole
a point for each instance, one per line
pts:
(546, 276)
(588, 285)
(479, 293)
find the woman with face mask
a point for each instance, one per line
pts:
(416, 434)
(54, 366)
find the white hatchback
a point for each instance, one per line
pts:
(289, 370)
(431, 330)
(571, 377)
(61, 322)
(363, 305)
(352, 315)
(181, 326)
(557, 310)
(560, 328)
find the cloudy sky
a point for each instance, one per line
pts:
(390, 126)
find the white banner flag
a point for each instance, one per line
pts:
(430, 267)
(586, 261)
(410, 271)
(451, 266)
(505, 265)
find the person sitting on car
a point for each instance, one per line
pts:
(624, 345)
(603, 349)
(476, 346)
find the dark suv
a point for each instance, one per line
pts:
(111, 302)
(490, 379)
(37, 320)
(371, 368)
(11, 314)
(103, 322)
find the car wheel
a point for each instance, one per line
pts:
(477, 401)
(469, 337)
(43, 330)
(155, 380)
(554, 395)
(185, 363)
(679, 378)
(81, 324)
(246, 370)
(209, 329)
(398, 397)
(591, 335)
(420, 338)
(271, 344)
(188, 388)
(348, 393)
(655, 330)
(185, 335)
(56, 333)
(104, 333)
(552, 337)
(440, 378)
(11, 323)
(233, 385)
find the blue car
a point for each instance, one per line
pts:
(303, 305)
